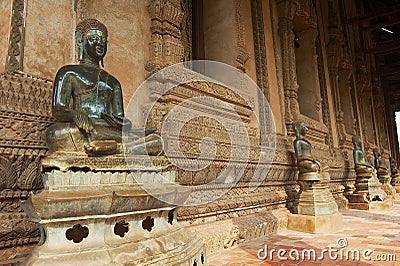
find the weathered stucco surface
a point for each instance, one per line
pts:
(128, 24)
(5, 22)
(48, 37)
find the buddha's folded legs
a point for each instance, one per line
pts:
(102, 140)
(67, 137)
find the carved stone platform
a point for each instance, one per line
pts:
(369, 194)
(317, 210)
(104, 217)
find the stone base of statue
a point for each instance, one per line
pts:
(317, 209)
(395, 182)
(385, 179)
(96, 213)
(369, 194)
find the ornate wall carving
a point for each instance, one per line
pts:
(25, 103)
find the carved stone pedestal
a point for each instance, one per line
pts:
(368, 194)
(317, 210)
(385, 179)
(104, 217)
(395, 182)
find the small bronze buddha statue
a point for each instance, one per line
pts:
(379, 165)
(88, 106)
(360, 163)
(309, 167)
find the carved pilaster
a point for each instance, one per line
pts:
(259, 46)
(287, 9)
(242, 54)
(17, 33)
(165, 45)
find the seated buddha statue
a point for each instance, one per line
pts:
(309, 167)
(87, 104)
(379, 165)
(360, 163)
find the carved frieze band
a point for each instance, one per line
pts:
(15, 48)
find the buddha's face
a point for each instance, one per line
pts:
(95, 44)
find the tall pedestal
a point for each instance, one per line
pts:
(369, 193)
(104, 217)
(317, 209)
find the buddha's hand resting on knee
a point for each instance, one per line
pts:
(83, 122)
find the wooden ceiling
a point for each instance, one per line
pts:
(379, 21)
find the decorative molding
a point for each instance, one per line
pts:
(16, 39)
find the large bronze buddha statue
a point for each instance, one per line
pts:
(88, 105)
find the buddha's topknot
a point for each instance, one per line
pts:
(91, 23)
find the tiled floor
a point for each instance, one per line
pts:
(377, 233)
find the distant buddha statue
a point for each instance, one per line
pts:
(395, 175)
(393, 167)
(309, 167)
(88, 105)
(379, 165)
(361, 165)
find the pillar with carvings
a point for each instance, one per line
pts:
(165, 47)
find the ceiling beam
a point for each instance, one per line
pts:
(381, 25)
(380, 13)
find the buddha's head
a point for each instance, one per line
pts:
(91, 38)
(300, 128)
(357, 142)
(377, 153)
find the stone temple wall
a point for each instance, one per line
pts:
(146, 37)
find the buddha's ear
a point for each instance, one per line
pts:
(79, 38)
